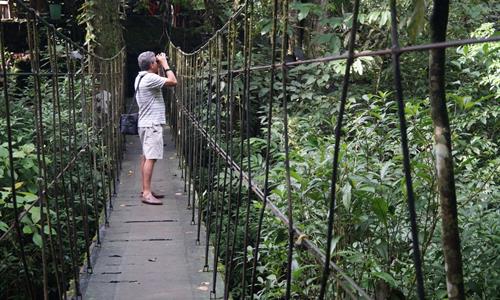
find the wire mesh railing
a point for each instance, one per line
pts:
(61, 153)
(213, 112)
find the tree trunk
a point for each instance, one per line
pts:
(110, 40)
(318, 28)
(444, 158)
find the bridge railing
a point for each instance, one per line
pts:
(60, 156)
(213, 115)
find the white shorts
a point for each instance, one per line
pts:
(152, 141)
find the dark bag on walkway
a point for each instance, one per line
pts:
(129, 121)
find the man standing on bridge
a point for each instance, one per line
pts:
(148, 85)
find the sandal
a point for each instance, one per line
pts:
(158, 196)
(150, 199)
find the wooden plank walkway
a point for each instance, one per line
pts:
(149, 252)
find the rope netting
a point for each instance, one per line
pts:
(62, 148)
(213, 112)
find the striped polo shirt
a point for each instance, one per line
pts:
(150, 99)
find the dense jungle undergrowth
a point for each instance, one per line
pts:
(75, 199)
(372, 240)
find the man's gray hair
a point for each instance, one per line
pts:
(145, 60)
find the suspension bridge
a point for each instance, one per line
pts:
(78, 228)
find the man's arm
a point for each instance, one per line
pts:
(171, 80)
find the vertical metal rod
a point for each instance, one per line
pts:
(53, 66)
(79, 169)
(185, 137)
(244, 127)
(230, 111)
(284, 72)
(109, 177)
(34, 54)
(180, 124)
(406, 155)
(196, 141)
(338, 132)
(202, 150)
(88, 177)
(221, 200)
(72, 150)
(69, 223)
(211, 154)
(190, 130)
(93, 148)
(102, 136)
(248, 148)
(268, 146)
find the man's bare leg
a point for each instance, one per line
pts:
(143, 177)
(147, 195)
(147, 174)
(143, 160)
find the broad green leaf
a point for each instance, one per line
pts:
(18, 154)
(28, 197)
(335, 241)
(346, 195)
(35, 214)
(3, 226)
(266, 28)
(28, 148)
(37, 239)
(27, 229)
(304, 11)
(385, 16)
(4, 152)
(384, 169)
(386, 277)
(367, 188)
(310, 80)
(47, 231)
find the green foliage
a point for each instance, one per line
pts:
(60, 120)
(102, 25)
(372, 233)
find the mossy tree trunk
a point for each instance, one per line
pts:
(444, 157)
(106, 26)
